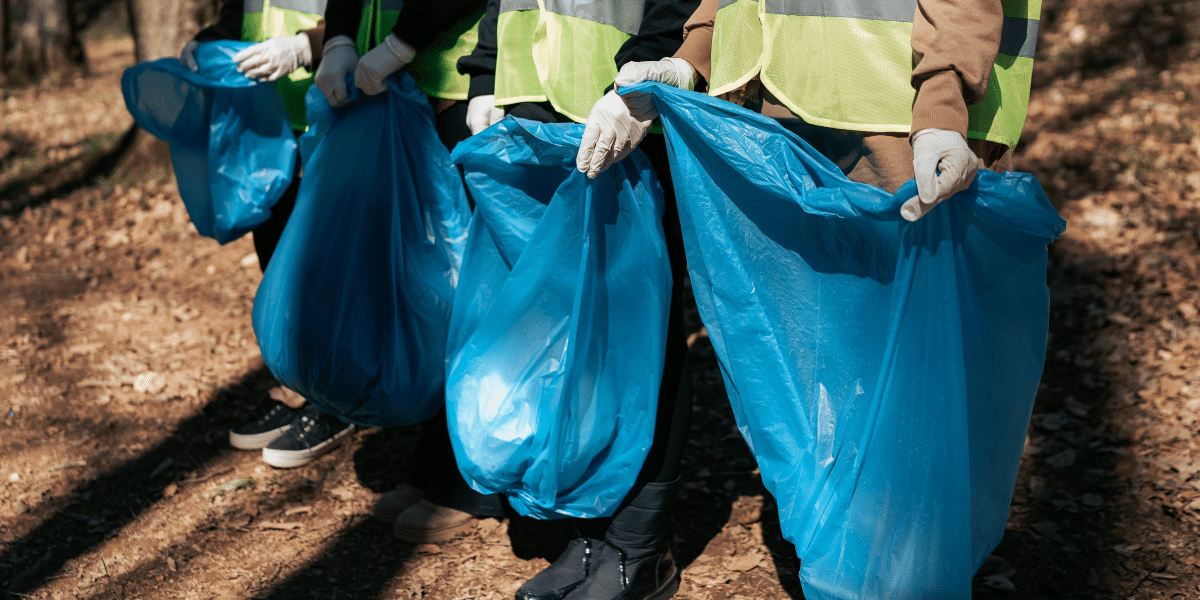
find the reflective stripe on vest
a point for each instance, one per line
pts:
(561, 51)
(265, 19)
(848, 64)
(435, 67)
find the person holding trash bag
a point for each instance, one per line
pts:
(856, 104)
(553, 64)
(887, 92)
(291, 433)
(424, 39)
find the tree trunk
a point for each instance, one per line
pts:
(161, 27)
(3, 39)
(42, 38)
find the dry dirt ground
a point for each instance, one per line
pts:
(126, 353)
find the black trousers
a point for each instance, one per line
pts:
(266, 235)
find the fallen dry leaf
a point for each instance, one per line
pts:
(744, 563)
(344, 494)
(280, 526)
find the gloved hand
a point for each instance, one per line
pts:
(377, 65)
(274, 58)
(612, 132)
(675, 72)
(337, 60)
(481, 113)
(187, 56)
(944, 166)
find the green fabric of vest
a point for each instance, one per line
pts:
(560, 51)
(265, 19)
(848, 64)
(435, 67)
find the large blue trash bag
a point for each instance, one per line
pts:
(882, 372)
(232, 147)
(558, 334)
(353, 309)
(319, 114)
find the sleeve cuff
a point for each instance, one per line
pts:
(482, 85)
(940, 104)
(697, 50)
(316, 38)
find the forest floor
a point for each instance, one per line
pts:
(126, 353)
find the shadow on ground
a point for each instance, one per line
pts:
(100, 507)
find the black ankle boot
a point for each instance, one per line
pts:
(635, 562)
(564, 574)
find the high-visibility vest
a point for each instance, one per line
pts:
(265, 19)
(847, 64)
(561, 51)
(435, 67)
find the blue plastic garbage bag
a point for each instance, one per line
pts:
(353, 309)
(232, 147)
(558, 334)
(882, 372)
(319, 114)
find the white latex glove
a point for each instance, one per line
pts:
(944, 166)
(337, 61)
(481, 113)
(187, 56)
(675, 72)
(612, 132)
(274, 58)
(377, 65)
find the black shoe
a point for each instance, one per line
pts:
(313, 434)
(257, 434)
(563, 575)
(634, 561)
(614, 576)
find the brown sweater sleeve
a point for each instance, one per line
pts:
(955, 43)
(697, 39)
(316, 42)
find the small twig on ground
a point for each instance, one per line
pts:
(518, 573)
(109, 577)
(202, 479)
(68, 465)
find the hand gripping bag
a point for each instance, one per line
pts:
(353, 309)
(232, 147)
(558, 334)
(882, 372)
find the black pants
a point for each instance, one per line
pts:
(266, 235)
(674, 413)
(436, 468)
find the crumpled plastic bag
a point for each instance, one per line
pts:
(232, 148)
(558, 334)
(882, 372)
(353, 309)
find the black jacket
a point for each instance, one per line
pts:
(419, 23)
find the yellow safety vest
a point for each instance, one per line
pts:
(265, 19)
(847, 64)
(435, 67)
(561, 51)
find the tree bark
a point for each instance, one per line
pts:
(161, 27)
(42, 40)
(3, 39)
